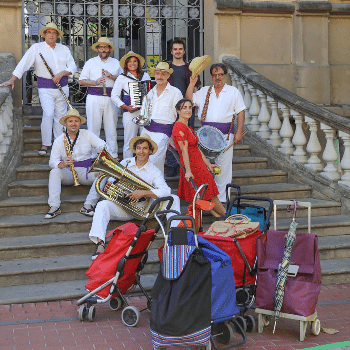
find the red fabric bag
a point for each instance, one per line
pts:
(302, 291)
(104, 267)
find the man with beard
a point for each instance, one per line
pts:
(99, 74)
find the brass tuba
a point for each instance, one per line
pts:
(126, 182)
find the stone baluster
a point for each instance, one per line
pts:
(286, 131)
(232, 75)
(240, 86)
(8, 104)
(330, 155)
(313, 147)
(299, 139)
(254, 111)
(3, 132)
(264, 118)
(345, 162)
(247, 101)
(274, 124)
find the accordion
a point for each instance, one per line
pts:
(137, 91)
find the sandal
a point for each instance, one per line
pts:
(42, 152)
(87, 211)
(52, 214)
(96, 254)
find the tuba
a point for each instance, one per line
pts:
(126, 182)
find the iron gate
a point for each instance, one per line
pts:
(143, 26)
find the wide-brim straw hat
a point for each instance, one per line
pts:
(144, 136)
(131, 54)
(103, 40)
(72, 113)
(198, 64)
(161, 66)
(51, 26)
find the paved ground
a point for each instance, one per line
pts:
(54, 325)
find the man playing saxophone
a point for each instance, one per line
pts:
(107, 210)
(70, 161)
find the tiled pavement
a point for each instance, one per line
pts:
(54, 325)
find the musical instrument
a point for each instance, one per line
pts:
(71, 167)
(234, 143)
(58, 84)
(137, 91)
(211, 141)
(144, 118)
(104, 89)
(126, 182)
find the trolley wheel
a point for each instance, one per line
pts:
(242, 322)
(82, 312)
(251, 325)
(91, 313)
(130, 316)
(115, 303)
(316, 327)
(149, 305)
(224, 332)
(242, 296)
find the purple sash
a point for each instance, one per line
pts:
(84, 164)
(127, 101)
(223, 127)
(49, 84)
(163, 128)
(98, 91)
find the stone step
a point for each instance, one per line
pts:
(56, 269)
(335, 271)
(334, 247)
(66, 290)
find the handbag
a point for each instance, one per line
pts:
(237, 225)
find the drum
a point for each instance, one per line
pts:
(211, 141)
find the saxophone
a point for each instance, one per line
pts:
(71, 167)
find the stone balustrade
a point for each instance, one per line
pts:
(307, 134)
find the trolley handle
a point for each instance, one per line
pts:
(162, 213)
(161, 199)
(183, 218)
(228, 192)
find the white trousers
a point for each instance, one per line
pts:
(54, 108)
(59, 177)
(107, 210)
(161, 140)
(224, 161)
(98, 109)
(130, 130)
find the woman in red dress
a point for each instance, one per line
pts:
(196, 164)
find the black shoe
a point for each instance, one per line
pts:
(171, 172)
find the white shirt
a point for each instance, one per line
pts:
(92, 69)
(82, 149)
(163, 107)
(58, 59)
(122, 84)
(151, 174)
(222, 108)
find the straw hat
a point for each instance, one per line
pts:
(72, 113)
(198, 64)
(161, 66)
(51, 26)
(103, 40)
(146, 137)
(131, 54)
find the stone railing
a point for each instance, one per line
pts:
(10, 126)
(312, 138)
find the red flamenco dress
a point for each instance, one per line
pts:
(200, 171)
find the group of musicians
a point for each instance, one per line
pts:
(107, 81)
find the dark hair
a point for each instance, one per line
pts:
(216, 66)
(180, 105)
(139, 68)
(177, 41)
(139, 141)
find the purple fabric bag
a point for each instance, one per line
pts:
(301, 291)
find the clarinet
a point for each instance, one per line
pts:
(58, 84)
(71, 167)
(104, 89)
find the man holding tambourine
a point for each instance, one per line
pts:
(218, 104)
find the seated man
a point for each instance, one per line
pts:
(107, 210)
(73, 147)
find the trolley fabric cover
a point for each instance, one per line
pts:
(301, 291)
(104, 267)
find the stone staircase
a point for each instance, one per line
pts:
(47, 259)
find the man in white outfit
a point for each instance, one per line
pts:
(99, 74)
(107, 210)
(223, 103)
(80, 144)
(163, 98)
(60, 60)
